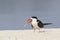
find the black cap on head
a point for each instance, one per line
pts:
(34, 17)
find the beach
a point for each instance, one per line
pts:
(44, 34)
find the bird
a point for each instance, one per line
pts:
(36, 23)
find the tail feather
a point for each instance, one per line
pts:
(47, 23)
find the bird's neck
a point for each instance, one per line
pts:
(34, 21)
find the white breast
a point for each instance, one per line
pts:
(35, 23)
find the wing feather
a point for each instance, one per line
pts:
(40, 24)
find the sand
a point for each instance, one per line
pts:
(44, 34)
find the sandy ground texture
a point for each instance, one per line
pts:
(44, 34)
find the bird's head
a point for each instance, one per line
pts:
(33, 18)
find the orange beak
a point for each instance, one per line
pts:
(28, 22)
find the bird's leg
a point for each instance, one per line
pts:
(39, 29)
(34, 29)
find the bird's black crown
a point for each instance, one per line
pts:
(34, 17)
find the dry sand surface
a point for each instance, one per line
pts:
(45, 34)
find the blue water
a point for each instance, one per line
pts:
(14, 13)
